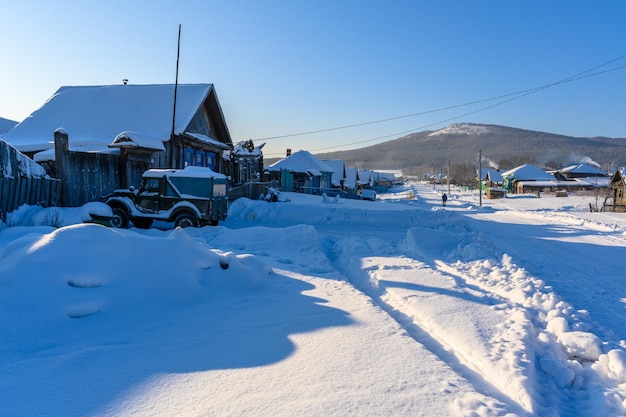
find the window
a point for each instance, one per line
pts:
(219, 190)
(199, 123)
(151, 185)
(188, 157)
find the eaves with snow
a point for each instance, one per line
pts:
(98, 118)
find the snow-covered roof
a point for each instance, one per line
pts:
(300, 162)
(352, 178)
(541, 183)
(6, 125)
(582, 169)
(338, 167)
(14, 164)
(494, 174)
(528, 172)
(247, 148)
(96, 115)
(368, 176)
(598, 182)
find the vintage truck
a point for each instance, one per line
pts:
(190, 197)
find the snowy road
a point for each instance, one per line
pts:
(320, 307)
(479, 287)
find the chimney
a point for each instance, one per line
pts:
(288, 151)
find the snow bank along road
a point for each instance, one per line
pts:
(501, 296)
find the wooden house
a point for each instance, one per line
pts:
(248, 161)
(301, 172)
(113, 133)
(491, 178)
(581, 171)
(581, 177)
(528, 179)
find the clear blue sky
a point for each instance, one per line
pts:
(289, 66)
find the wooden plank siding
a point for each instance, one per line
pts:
(17, 191)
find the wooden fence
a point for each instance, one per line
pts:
(16, 191)
(251, 190)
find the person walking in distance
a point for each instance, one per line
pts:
(444, 198)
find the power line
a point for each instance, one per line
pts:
(514, 95)
(520, 95)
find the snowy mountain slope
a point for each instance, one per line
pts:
(427, 152)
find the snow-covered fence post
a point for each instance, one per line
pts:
(61, 159)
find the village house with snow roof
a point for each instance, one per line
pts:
(301, 172)
(582, 177)
(338, 177)
(528, 179)
(100, 138)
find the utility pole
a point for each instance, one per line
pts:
(448, 176)
(173, 159)
(480, 169)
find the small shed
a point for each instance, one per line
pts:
(618, 192)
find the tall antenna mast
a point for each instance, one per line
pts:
(173, 158)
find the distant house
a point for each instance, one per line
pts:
(582, 177)
(368, 178)
(528, 179)
(301, 172)
(379, 181)
(116, 132)
(338, 177)
(581, 171)
(352, 183)
(491, 177)
(248, 159)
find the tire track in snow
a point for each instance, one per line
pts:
(558, 338)
(341, 251)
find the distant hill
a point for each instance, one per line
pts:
(429, 151)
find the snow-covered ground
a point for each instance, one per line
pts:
(319, 307)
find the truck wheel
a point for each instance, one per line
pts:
(142, 223)
(120, 218)
(186, 220)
